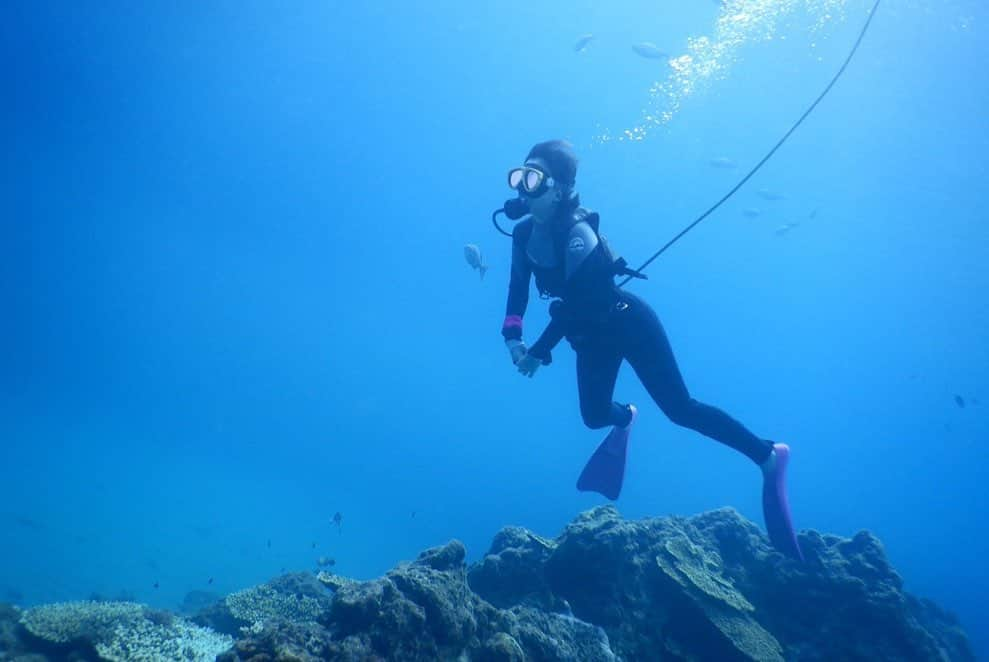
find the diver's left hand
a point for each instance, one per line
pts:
(528, 365)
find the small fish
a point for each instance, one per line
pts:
(269, 543)
(210, 581)
(413, 514)
(473, 256)
(751, 212)
(722, 162)
(28, 523)
(766, 194)
(314, 545)
(960, 401)
(156, 584)
(582, 42)
(337, 521)
(325, 561)
(812, 215)
(786, 227)
(649, 50)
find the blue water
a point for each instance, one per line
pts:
(235, 301)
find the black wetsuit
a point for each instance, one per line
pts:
(606, 325)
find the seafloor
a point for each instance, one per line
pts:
(707, 587)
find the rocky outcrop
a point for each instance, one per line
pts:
(702, 588)
(711, 588)
(423, 610)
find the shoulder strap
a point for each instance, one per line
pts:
(592, 218)
(582, 241)
(619, 265)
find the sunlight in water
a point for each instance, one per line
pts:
(709, 58)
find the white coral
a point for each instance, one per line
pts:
(260, 603)
(121, 632)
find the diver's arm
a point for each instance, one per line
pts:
(518, 291)
(550, 338)
(553, 334)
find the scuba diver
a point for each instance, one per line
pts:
(560, 245)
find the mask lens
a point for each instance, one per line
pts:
(515, 177)
(533, 178)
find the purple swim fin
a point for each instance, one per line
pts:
(605, 471)
(776, 507)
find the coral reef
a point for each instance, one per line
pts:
(606, 589)
(423, 610)
(260, 603)
(711, 587)
(118, 632)
(703, 588)
(11, 646)
(294, 598)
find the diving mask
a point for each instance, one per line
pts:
(530, 181)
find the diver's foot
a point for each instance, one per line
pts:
(605, 471)
(776, 506)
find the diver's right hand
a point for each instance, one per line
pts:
(528, 365)
(517, 349)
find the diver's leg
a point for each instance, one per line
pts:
(649, 353)
(597, 370)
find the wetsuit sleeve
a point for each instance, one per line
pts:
(518, 288)
(552, 335)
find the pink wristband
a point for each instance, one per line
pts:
(512, 321)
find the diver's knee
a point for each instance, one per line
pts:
(595, 418)
(683, 413)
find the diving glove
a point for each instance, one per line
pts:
(517, 349)
(528, 365)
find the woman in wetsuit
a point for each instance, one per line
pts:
(559, 244)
